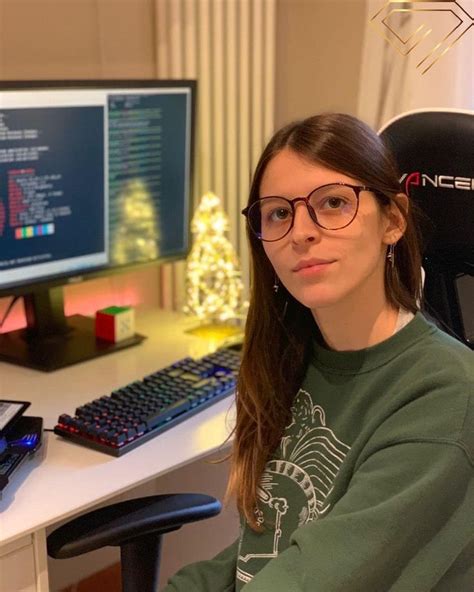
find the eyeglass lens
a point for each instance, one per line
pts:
(335, 206)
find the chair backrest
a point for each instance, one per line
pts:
(435, 154)
(136, 526)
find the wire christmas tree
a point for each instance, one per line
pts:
(213, 280)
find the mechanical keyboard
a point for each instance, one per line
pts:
(132, 415)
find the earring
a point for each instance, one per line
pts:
(391, 255)
(276, 284)
(276, 287)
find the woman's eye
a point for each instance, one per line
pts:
(333, 203)
(279, 214)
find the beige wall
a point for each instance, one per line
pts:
(76, 39)
(319, 50)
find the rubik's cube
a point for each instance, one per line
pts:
(115, 323)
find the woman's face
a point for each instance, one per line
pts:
(322, 268)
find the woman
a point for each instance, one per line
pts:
(353, 456)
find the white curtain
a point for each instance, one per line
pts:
(229, 47)
(412, 72)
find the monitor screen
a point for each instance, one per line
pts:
(95, 178)
(92, 179)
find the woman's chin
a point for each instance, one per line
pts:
(315, 299)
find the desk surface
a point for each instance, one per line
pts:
(67, 478)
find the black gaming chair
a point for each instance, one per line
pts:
(136, 526)
(435, 154)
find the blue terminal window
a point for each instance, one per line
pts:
(147, 150)
(51, 191)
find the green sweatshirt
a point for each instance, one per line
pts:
(371, 488)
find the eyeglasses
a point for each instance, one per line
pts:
(333, 207)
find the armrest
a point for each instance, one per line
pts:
(116, 524)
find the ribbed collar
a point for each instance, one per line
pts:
(370, 358)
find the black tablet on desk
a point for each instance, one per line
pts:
(10, 412)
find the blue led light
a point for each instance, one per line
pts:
(28, 441)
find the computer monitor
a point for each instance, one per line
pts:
(95, 179)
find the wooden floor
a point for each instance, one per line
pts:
(107, 580)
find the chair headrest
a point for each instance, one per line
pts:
(435, 155)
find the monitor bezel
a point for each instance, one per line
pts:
(66, 279)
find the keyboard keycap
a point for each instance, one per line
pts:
(168, 412)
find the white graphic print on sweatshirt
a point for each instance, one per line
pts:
(295, 484)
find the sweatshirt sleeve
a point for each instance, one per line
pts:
(407, 514)
(213, 575)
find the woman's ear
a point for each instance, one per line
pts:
(395, 214)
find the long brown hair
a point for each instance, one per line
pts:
(279, 329)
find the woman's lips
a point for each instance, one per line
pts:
(313, 269)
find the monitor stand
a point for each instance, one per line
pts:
(51, 340)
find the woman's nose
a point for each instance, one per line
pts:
(304, 228)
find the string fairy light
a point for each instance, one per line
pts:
(214, 285)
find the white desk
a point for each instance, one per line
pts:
(70, 478)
